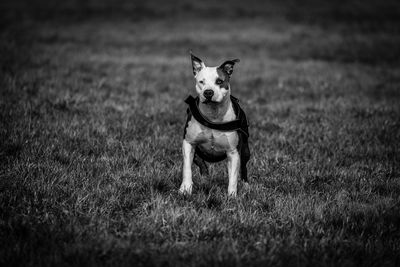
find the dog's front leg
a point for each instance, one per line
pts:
(233, 171)
(188, 153)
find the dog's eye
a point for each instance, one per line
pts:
(219, 81)
(201, 82)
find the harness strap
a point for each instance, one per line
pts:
(235, 125)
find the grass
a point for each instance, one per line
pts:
(92, 116)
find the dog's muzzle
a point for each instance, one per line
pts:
(208, 94)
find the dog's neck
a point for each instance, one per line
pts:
(218, 112)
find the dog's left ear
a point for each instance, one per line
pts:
(227, 66)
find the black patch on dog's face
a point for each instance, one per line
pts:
(224, 77)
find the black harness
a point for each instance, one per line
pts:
(240, 125)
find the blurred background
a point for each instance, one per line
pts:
(349, 31)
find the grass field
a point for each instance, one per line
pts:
(92, 116)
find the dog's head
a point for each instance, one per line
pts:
(212, 83)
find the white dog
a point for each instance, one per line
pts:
(216, 126)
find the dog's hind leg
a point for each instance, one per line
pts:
(244, 158)
(201, 163)
(243, 173)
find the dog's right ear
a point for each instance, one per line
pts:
(197, 64)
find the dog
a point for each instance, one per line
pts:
(216, 126)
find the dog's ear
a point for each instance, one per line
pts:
(197, 64)
(227, 66)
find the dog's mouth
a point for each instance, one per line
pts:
(209, 101)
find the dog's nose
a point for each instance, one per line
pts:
(208, 94)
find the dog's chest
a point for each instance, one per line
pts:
(209, 139)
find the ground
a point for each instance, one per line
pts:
(91, 124)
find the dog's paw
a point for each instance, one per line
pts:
(185, 189)
(232, 193)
